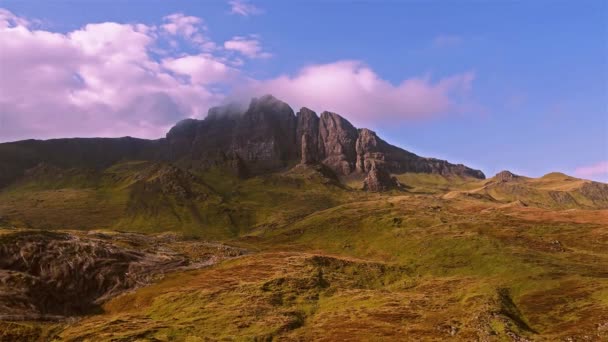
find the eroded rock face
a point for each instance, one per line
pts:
(309, 150)
(264, 137)
(51, 275)
(596, 191)
(370, 150)
(308, 125)
(337, 143)
(265, 134)
(379, 180)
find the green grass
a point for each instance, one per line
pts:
(444, 259)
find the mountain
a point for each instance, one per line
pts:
(262, 224)
(264, 138)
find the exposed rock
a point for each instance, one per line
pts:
(563, 198)
(237, 166)
(505, 176)
(369, 150)
(337, 140)
(309, 155)
(596, 191)
(51, 275)
(379, 180)
(265, 137)
(308, 124)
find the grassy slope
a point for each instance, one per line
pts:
(134, 196)
(399, 265)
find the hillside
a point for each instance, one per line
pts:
(224, 230)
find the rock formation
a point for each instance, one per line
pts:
(309, 149)
(337, 139)
(265, 137)
(505, 176)
(308, 125)
(379, 180)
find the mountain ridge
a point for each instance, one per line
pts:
(266, 137)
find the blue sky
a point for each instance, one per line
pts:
(529, 89)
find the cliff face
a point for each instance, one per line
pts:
(268, 136)
(265, 137)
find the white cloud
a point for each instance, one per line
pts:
(353, 89)
(202, 69)
(243, 7)
(247, 46)
(104, 79)
(187, 27)
(99, 80)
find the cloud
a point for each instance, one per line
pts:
(244, 8)
(353, 89)
(99, 80)
(188, 28)
(202, 69)
(446, 40)
(247, 46)
(108, 79)
(593, 171)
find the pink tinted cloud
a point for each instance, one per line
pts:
(248, 46)
(596, 170)
(353, 89)
(102, 80)
(201, 69)
(189, 28)
(244, 8)
(99, 80)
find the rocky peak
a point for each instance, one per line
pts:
(265, 135)
(230, 110)
(505, 176)
(270, 104)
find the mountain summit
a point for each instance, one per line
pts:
(266, 137)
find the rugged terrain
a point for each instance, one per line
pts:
(262, 224)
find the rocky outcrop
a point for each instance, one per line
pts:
(505, 176)
(371, 150)
(309, 150)
(378, 180)
(53, 275)
(237, 166)
(596, 192)
(264, 137)
(308, 126)
(337, 141)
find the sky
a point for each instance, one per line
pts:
(515, 85)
